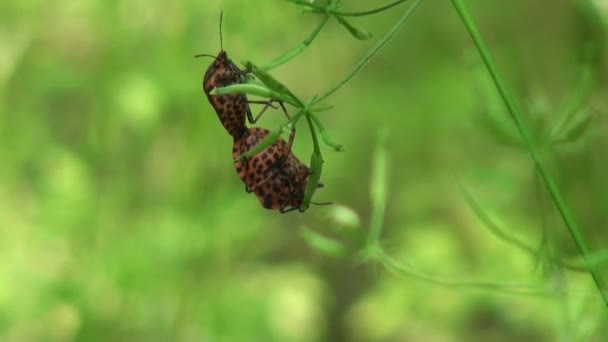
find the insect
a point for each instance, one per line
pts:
(275, 175)
(231, 109)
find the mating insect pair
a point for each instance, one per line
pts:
(275, 175)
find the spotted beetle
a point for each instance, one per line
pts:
(231, 109)
(275, 175)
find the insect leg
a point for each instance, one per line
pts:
(267, 104)
(284, 206)
(262, 182)
(284, 109)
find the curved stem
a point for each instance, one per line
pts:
(367, 58)
(493, 227)
(329, 9)
(313, 133)
(519, 289)
(289, 55)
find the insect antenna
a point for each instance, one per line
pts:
(221, 38)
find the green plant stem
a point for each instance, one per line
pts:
(367, 58)
(289, 55)
(316, 163)
(408, 271)
(313, 133)
(493, 227)
(373, 11)
(330, 8)
(527, 138)
(378, 191)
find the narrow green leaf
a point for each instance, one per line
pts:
(289, 55)
(265, 77)
(378, 190)
(378, 185)
(316, 168)
(599, 259)
(323, 244)
(253, 89)
(576, 101)
(493, 117)
(576, 129)
(269, 140)
(329, 141)
(325, 136)
(245, 88)
(368, 12)
(311, 10)
(303, 3)
(492, 226)
(321, 108)
(500, 128)
(273, 83)
(357, 33)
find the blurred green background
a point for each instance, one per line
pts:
(122, 218)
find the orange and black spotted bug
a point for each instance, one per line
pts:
(231, 109)
(275, 175)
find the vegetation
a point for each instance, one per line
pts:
(462, 144)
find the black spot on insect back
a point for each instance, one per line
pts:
(278, 179)
(223, 72)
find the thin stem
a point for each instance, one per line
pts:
(313, 132)
(289, 55)
(324, 136)
(329, 9)
(367, 58)
(316, 163)
(364, 13)
(527, 138)
(310, 4)
(493, 227)
(519, 289)
(378, 191)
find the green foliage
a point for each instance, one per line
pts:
(121, 217)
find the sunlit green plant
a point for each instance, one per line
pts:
(572, 126)
(265, 85)
(534, 145)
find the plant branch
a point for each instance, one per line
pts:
(367, 58)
